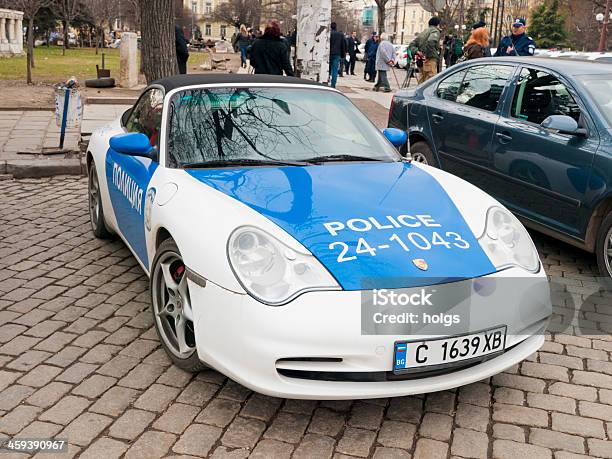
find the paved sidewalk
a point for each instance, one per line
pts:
(80, 359)
(24, 134)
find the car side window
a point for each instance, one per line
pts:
(146, 116)
(448, 88)
(483, 85)
(539, 94)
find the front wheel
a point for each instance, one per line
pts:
(172, 309)
(603, 248)
(421, 153)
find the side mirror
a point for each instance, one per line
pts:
(563, 124)
(133, 144)
(126, 115)
(397, 137)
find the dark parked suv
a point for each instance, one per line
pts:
(536, 133)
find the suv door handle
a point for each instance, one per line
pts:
(503, 137)
(437, 117)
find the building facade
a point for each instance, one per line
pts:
(404, 19)
(11, 32)
(204, 17)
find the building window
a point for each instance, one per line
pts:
(224, 31)
(208, 8)
(208, 30)
(413, 14)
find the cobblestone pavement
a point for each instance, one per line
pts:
(79, 359)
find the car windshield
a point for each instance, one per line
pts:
(600, 88)
(210, 127)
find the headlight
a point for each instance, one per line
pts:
(272, 272)
(507, 242)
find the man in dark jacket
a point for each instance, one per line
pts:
(269, 53)
(182, 54)
(337, 52)
(371, 48)
(353, 49)
(518, 43)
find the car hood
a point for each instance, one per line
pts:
(372, 225)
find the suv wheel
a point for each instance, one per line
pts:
(421, 153)
(603, 248)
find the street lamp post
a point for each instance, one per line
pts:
(603, 38)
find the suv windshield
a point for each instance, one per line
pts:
(600, 88)
(214, 126)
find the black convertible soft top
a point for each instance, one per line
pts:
(178, 81)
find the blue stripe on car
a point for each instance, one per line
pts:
(128, 178)
(336, 208)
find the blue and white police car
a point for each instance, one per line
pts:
(290, 247)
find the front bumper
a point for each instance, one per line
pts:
(290, 351)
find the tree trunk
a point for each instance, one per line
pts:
(65, 23)
(97, 30)
(30, 56)
(381, 17)
(158, 43)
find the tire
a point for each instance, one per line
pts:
(96, 211)
(100, 83)
(603, 246)
(421, 153)
(171, 307)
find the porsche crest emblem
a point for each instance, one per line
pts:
(421, 264)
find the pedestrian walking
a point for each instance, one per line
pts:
(243, 40)
(182, 53)
(352, 43)
(269, 54)
(517, 43)
(337, 52)
(385, 60)
(426, 49)
(476, 46)
(371, 47)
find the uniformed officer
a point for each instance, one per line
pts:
(517, 44)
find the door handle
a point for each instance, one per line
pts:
(503, 137)
(437, 117)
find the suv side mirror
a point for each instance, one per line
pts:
(397, 137)
(133, 144)
(564, 125)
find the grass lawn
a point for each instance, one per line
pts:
(52, 67)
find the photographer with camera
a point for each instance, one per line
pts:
(426, 50)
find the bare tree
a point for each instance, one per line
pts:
(239, 11)
(158, 42)
(382, 8)
(30, 9)
(101, 13)
(67, 10)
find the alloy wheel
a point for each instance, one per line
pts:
(419, 158)
(608, 252)
(172, 305)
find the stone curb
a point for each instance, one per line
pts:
(36, 168)
(111, 100)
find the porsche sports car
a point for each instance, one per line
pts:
(291, 247)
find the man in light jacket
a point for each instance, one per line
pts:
(385, 60)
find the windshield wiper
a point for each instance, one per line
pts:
(331, 158)
(241, 162)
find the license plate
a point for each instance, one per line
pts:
(440, 352)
